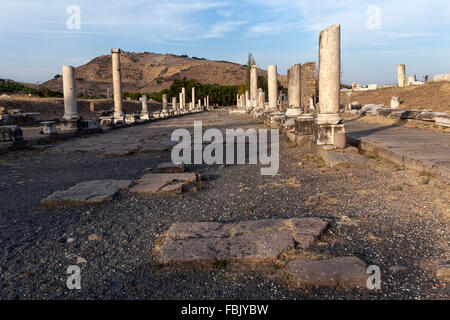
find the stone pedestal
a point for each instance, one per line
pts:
(330, 134)
(48, 127)
(70, 94)
(117, 86)
(304, 127)
(69, 125)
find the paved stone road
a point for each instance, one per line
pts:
(415, 148)
(379, 213)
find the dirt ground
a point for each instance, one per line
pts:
(434, 96)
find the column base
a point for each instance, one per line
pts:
(69, 125)
(293, 112)
(119, 118)
(145, 116)
(329, 134)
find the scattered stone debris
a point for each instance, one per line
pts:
(95, 237)
(443, 272)
(87, 192)
(332, 158)
(398, 268)
(169, 167)
(151, 183)
(344, 272)
(256, 239)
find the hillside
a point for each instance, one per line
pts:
(434, 96)
(151, 72)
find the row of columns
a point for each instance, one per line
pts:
(326, 128)
(71, 116)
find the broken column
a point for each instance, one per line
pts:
(183, 101)
(70, 119)
(329, 128)
(207, 102)
(401, 75)
(193, 98)
(253, 86)
(144, 111)
(117, 86)
(294, 89)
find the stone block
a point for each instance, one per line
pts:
(48, 127)
(330, 134)
(169, 167)
(87, 192)
(10, 133)
(304, 126)
(342, 272)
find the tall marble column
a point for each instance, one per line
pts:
(164, 103)
(272, 87)
(183, 104)
(70, 94)
(193, 97)
(253, 86)
(329, 130)
(117, 86)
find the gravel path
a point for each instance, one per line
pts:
(382, 214)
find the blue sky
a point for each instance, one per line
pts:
(376, 35)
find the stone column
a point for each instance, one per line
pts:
(401, 75)
(117, 86)
(253, 86)
(329, 127)
(207, 102)
(193, 97)
(144, 111)
(174, 104)
(272, 87)
(294, 91)
(180, 107)
(183, 101)
(70, 94)
(247, 98)
(164, 103)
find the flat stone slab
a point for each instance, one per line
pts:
(332, 158)
(344, 272)
(164, 182)
(87, 192)
(256, 239)
(414, 148)
(169, 167)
